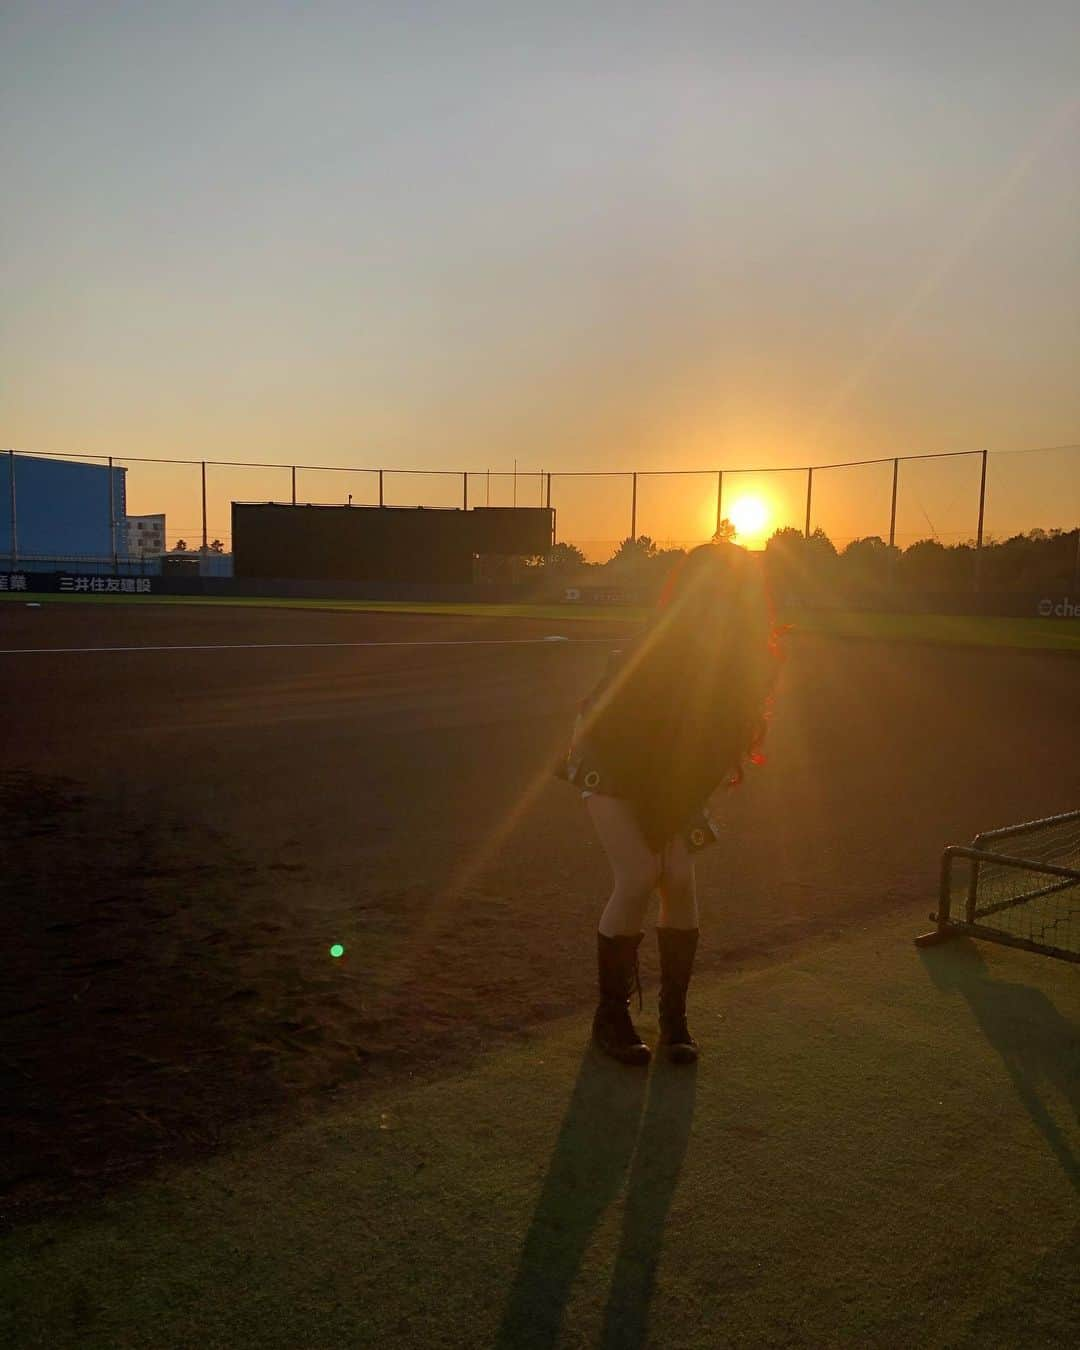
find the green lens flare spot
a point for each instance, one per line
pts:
(337, 949)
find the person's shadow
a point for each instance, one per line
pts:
(1037, 1045)
(620, 1120)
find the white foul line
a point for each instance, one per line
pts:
(260, 646)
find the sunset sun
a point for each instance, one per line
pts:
(749, 515)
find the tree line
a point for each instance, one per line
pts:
(797, 565)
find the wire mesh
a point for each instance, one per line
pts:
(499, 488)
(160, 487)
(852, 502)
(938, 499)
(1019, 902)
(1032, 490)
(594, 512)
(228, 483)
(434, 489)
(1010, 888)
(676, 510)
(334, 487)
(1034, 493)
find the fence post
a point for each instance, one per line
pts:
(112, 517)
(809, 491)
(14, 514)
(1076, 566)
(204, 505)
(380, 487)
(979, 539)
(294, 485)
(548, 503)
(719, 498)
(633, 508)
(465, 490)
(892, 523)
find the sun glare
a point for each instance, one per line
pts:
(749, 515)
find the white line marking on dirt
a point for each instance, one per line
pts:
(262, 646)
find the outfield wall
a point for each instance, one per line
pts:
(253, 588)
(58, 507)
(1029, 605)
(373, 544)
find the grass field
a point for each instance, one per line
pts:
(976, 630)
(879, 1147)
(215, 1134)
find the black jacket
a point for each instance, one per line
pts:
(662, 744)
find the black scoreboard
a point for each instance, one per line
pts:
(380, 543)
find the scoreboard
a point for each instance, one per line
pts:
(380, 543)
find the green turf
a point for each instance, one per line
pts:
(968, 630)
(879, 1148)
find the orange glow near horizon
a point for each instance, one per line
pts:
(750, 515)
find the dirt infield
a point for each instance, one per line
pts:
(183, 834)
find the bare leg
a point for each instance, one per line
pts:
(636, 869)
(678, 889)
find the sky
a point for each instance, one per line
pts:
(578, 236)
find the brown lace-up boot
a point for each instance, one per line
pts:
(677, 949)
(613, 1032)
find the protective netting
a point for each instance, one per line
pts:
(1019, 899)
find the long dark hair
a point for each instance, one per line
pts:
(692, 701)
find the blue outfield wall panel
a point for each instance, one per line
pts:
(61, 508)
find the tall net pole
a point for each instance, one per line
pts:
(1076, 566)
(204, 506)
(14, 513)
(982, 513)
(809, 494)
(112, 515)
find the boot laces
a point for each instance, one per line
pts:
(621, 1025)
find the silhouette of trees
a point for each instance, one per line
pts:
(1038, 560)
(799, 566)
(632, 553)
(725, 530)
(562, 558)
(813, 569)
(641, 564)
(804, 568)
(929, 566)
(867, 564)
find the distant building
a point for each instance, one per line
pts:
(54, 512)
(146, 536)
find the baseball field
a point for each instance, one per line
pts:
(217, 1132)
